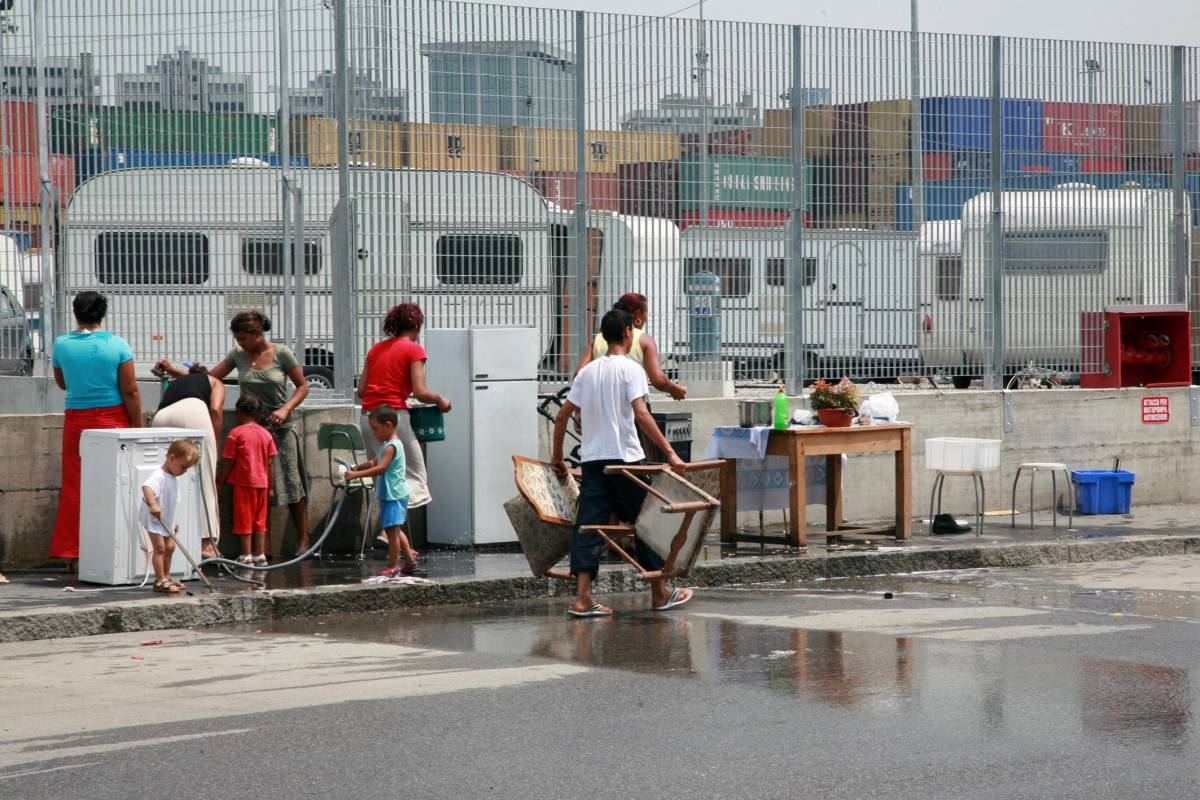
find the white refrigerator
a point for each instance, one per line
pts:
(490, 377)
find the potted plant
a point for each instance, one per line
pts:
(836, 404)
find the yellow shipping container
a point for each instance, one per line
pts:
(889, 125)
(553, 149)
(774, 138)
(431, 145)
(379, 144)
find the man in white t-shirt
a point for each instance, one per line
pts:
(610, 394)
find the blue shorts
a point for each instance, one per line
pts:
(393, 512)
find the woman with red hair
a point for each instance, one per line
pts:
(643, 350)
(395, 371)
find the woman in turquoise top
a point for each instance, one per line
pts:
(95, 368)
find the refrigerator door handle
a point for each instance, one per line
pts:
(480, 388)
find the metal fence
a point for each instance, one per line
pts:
(866, 203)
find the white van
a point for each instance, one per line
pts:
(180, 251)
(1070, 249)
(860, 307)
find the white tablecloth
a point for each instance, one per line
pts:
(762, 480)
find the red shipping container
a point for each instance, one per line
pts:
(727, 218)
(559, 188)
(1092, 130)
(20, 178)
(730, 142)
(939, 166)
(648, 189)
(18, 131)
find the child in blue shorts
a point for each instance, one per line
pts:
(392, 488)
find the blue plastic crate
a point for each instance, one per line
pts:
(1103, 491)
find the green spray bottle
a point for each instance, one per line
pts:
(781, 410)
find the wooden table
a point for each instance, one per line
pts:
(799, 442)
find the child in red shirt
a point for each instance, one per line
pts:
(246, 464)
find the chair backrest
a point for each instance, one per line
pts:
(339, 436)
(554, 500)
(658, 527)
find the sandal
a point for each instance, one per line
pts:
(3, 579)
(596, 610)
(167, 587)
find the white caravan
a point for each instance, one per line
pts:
(859, 295)
(1067, 250)
(180, 251)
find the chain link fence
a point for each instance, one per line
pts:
(795, 202)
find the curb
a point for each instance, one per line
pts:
(154, 614)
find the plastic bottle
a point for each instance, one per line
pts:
(781, 409)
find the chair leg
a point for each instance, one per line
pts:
(1054, 498)
(941, 486)
(982, 504)
(1032, 483)
(1012, 509)
(932, 494)
(975, 487)
(1070, 499)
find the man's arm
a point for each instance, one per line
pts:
(560, 431)
(641, 415)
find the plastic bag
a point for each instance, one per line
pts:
(881, 407)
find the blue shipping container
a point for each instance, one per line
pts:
(945, 199)
(965, 123)
(92, 162)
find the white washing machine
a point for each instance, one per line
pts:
(115, 463)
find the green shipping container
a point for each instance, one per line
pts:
(741, 182)
(74, 129)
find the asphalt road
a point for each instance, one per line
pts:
(1056, 682)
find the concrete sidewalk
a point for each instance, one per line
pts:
(37, 605)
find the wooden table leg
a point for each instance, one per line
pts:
(904, 486)
(729, 501)
(797, 476)
(833, 492)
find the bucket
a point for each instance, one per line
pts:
(427, 423)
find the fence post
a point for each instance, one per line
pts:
(994, 368)
(39, 12)
(794, 342)
(579, 281)
(1179, 232)
(283, 146)
(344, 326)
(915, 145)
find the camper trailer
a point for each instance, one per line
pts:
(1067, 250)
(858, 295)
(180, 251)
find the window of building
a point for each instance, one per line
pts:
(733, 272)
(264, 257)
(1056, 251)
(949, 278)
(777, 271)
(151, 259)
(480, 259)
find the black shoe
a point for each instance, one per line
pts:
(947, 525)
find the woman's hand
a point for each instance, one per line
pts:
(443, 404)
(279, 416)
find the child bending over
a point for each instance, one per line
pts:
(392, 488)
(156, 511)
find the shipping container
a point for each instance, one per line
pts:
(93, 162)
(430, 145)
(19, 214)
(370, 142)
(730, 142)
(1164, 164)
(938, 166)
(20, 178)
(77, 128)
(559, 188)
(1149, 132)
(735, 218)
(968, 164)
(889, 128)
(965, 123)
(774, 138)
(737, 182)
(18, 126)
(649, 189)
(1090, 164)
(1083, 128)
(553, 149)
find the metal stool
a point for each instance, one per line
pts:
(1053, 468)
(980, 495)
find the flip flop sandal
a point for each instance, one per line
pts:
(596, 610)
(677, 598)
(3, 579)
(167, 587)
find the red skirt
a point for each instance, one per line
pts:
(65, 543)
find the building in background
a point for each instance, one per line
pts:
(509, 84)
(183, 81)
(681, 114)
(369, 99)
(68, 80)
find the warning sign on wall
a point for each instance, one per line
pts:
(1156, 409)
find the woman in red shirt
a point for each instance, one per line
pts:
(395, 371)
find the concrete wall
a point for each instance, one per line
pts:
(30, 478)
(1085, 429)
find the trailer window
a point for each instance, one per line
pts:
(949, 278)
(733, 272)
(485, 259)
(1056, 251)
(145, 259)
(777, 271)
(265, 257)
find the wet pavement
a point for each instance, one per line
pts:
(1066, 681)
